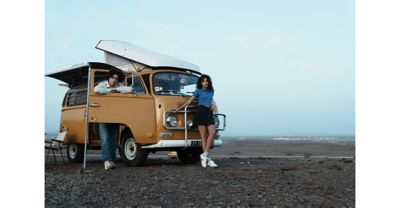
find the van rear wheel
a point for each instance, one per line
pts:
(189, 156)
(75, 153)
(132, 152)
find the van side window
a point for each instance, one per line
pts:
(76, 95)
(100, 76)
(137, 85)
(147, 82)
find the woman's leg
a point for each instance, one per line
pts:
(202, 130)
(204, 156)
(210, 139)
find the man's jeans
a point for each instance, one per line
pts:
(108, 140)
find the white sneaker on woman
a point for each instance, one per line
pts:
(211, 163)
(203, 160)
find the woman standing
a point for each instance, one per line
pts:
(204, 117)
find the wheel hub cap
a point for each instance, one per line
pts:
(130, 149)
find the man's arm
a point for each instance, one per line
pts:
(101, 88)
(124, 89)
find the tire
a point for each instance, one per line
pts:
(75, 153)
(189, 156)
(132, 152)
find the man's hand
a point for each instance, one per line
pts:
(113, 89)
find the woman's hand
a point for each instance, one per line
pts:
(184, 105)
(176, 110)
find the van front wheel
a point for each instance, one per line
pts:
(132, 152)
(75, 153)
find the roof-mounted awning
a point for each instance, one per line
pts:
(78, 73)
(130, 57)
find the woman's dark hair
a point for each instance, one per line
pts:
(210, 86)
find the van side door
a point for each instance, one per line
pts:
(135, 110)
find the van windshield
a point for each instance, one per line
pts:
(174, 83)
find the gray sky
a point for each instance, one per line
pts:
(279, 67)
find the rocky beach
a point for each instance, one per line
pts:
(251, 173)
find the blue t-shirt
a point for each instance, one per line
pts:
(204, 96)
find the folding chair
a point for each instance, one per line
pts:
(55, 144)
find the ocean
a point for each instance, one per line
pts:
(329, 139)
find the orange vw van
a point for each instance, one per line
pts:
(159, 83)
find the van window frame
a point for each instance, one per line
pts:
(132, 76)
(94, 80)
(76, 95)
(146, 79)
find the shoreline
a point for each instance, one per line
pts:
(248, 149)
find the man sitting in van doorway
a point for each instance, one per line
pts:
(108, 131)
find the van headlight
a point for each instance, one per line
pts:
(216, 121)
(189, 124)
(171, 121)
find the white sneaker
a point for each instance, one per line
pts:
(109, 165)
(203, 160)
(211, 163)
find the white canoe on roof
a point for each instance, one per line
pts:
(130, 57)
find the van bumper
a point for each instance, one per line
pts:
(180, 143)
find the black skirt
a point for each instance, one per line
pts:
(204, 116)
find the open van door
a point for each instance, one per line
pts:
(133, 110)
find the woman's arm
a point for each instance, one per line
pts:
(185, 104)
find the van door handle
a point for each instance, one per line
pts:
(95, 105)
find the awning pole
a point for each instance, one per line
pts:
(87, 117)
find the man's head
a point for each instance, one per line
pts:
(113, 78)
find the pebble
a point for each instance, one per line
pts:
(347, 160)
(334, 167)
(348, 189)
(288, 167)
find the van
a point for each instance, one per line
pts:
(160, 84)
